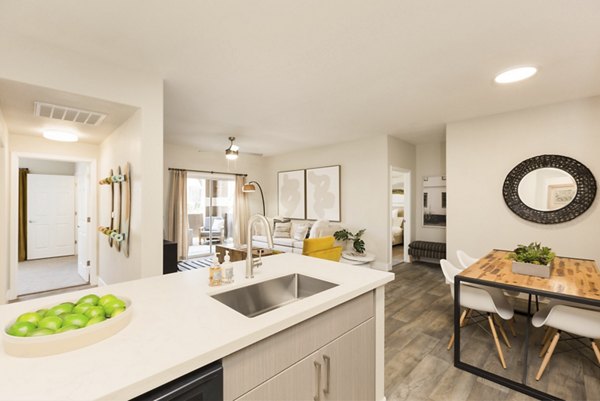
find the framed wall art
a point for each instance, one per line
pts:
(291, 194)
(323, 193)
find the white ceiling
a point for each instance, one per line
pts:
(16, 103)
(288, 74)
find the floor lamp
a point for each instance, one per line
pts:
(250, 187)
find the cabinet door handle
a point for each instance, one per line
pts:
(317, 396)
(327, 373)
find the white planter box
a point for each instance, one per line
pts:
(531, 270)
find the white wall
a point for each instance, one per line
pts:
(185, 157)
(36, 63)
(120, 147)
(431, 161)
(481, 152)
(403, 155)
(52, 167)
(4, 202)
(364, 186)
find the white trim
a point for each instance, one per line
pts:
(386, 267)
(11, 291)
(101, 283)
(408, 215)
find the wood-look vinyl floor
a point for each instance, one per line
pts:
(419, 367)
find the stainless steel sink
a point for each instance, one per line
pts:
(265, 296)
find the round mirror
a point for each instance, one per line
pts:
(547, 189)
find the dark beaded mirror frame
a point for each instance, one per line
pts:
(584, 198)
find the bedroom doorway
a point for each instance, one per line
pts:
(400, 214)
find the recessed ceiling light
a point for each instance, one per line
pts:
(61, 136)
(515, 75)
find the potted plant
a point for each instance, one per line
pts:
(357, 243)
(533, 260)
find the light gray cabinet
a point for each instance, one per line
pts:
(328, 357)
(342, 370)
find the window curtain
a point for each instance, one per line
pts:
(241, 213)
(23, 213)
(177, 224)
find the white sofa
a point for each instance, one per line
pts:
(319, 228)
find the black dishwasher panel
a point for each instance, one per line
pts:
(204, 384)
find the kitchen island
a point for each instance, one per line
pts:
(177, 327)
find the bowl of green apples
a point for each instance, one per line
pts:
(67, 325)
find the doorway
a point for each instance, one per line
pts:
(210, 205)
(400, 215)
(52, 227)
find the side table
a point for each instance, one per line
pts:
(351, 258)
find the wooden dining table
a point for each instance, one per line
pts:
(571, 279)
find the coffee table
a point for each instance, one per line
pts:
(239, 253)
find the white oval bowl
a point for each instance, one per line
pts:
(67, 341)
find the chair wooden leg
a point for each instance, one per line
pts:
(468, 316)
(551, 333)
(548, 356)
(596, 351)
(502, 332)
(462, 319)
(511, 326)
(491, 321)
(547, 331)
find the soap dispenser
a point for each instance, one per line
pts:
(215, 273)
(227, 269)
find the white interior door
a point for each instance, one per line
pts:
(82, 189)
(50, 215)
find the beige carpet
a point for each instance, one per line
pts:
(47, 274)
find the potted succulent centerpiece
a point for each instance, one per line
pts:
(533, 260)
(357, 243)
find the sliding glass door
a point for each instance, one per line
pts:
(210, 203)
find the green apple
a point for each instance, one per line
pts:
(21, 329)
(110, 306)
(42, 312)
(50, 322)
(31, 317)
(106, 298)
(117, 311)
(82, 308)
(95, 319)
(75, 319)
(91, 299)
(95, 311)
(66, 328)
(40, 332)
(66, 307)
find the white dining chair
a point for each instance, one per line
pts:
(575, 320)
(464, 259)
(482, 300)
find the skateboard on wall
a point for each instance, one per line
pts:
(120, 209)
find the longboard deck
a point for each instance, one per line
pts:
(112, 208)
(127, 211)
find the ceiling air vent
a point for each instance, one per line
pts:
(65, 113)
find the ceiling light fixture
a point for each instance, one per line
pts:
(515, 75)
(232, 152)
(60, 136)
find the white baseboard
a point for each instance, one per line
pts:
(101, 283)
(386, 267)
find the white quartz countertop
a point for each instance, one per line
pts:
(176, 327)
